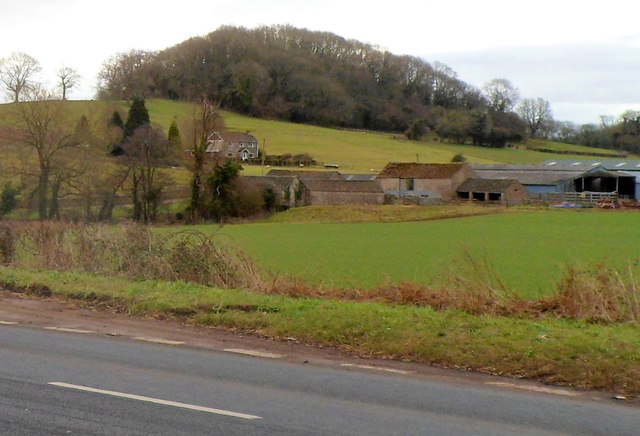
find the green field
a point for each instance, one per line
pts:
(529, 250)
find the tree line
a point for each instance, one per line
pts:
(321, 78)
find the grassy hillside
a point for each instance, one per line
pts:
(353, 151)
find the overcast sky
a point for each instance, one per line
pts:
(582, 56)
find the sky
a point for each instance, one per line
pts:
(581, 56)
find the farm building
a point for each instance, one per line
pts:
(505, 191)
(285, 188)
(625, 166)
(324, 175)
(319, 192)
(541, 180)
(234, 145)
(428, 180)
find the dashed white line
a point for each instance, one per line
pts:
(254, 353)
(541, 389)
(159, 341)
(68, 330)
(376, 368)
(8, 323)
(155, 401)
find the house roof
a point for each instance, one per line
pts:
(412, 170)
(318, 185)
(236, 137)
(487, 185)
(326, 175)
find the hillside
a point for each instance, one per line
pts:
(355, 151)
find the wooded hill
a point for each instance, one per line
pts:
(295, 75)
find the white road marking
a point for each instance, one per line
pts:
(159, 341)
(64, 329)
(8, 323)
(541, 389)
(254, 353)
(156, 401)
(376, 368)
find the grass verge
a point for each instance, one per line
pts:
(557, 351)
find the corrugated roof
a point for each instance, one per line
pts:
(319, 185)
(487, 185)
(412, 170)
(362, 177)
(326, 175)
(531, 177)
(610, 164)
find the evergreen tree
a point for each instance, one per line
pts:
(116, 120)
(138, 116)
(174, 135)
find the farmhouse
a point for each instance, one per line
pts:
(543, 181)
(428, 180)
(505, 191)
(319, 192)
(234, 145)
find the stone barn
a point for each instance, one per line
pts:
(318, 192)
(428, 180)
(287, 189)
(505, 191)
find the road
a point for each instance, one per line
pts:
(60, 383)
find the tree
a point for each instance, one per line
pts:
(174, 135)
(68, 78)
(501, 95)
(145, 152)
(42, 125)
(205, 120)
(8, 199)
(221, 183)
(16, 74)
(138, 116)
(536, 113)
(126, 75)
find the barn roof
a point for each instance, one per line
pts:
(282, 182)
(487, 185)
(326, 175)
(610, 164)
(412, 170)
(532, 174)
(318, 185)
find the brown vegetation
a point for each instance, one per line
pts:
(601, 295)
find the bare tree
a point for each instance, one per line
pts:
(42, 125)
(536, 112)
(145, 153)
(126, 75)
(205, 120)
(68, 78)
(16, 74)
(501, 95)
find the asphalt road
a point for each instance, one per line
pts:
(116, 386)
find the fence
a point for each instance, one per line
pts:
(583, 198)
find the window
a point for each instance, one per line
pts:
(409, 184)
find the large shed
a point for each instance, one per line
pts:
(546, 179)
(428, 180)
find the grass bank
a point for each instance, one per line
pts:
(583, 355)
